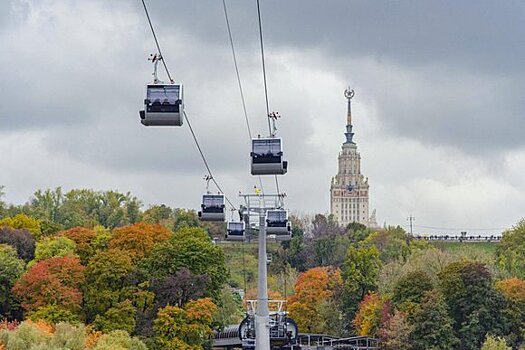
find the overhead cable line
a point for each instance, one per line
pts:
(236, 68)
(212, 178)
(263, 66)
(185, 115)
(265, 81)
(156, 41)
(241, 91)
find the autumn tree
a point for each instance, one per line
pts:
(372, 312)
(21, 240)
(395, 333)
(55, 281)
(475, 306)
(22, 221)
(138, 239)
(313, 289)
(83, 238)
(513, 290)
(179, 288)
(185, 328)
(11, 267)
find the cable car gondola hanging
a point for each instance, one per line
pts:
(213, 208)
(277, 222)
(163, 105)
(235, 231)
(267, 157)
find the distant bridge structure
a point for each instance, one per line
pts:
(459, 238)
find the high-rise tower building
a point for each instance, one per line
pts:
(349, 190)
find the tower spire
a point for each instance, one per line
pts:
(349, 94)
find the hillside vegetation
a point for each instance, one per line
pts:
(95, 270)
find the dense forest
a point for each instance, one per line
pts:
(89, 269)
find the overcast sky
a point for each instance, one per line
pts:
(439, 111)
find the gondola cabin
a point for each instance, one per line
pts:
(235, 231)
(267, 157)
(277, 222)
(212, 208)
(163, 105)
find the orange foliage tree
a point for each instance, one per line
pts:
(313, 289)
(138, 239)
(82, 236)
(373, 311)
(513, 289)
(55, 281)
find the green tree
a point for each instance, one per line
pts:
(193, 249)
(45, 205)
(495, 343)
(106, 281)
(26, 336)
(230, 309)
(11, 268)
(475, 306)
(119, 340)
(185, 218)
(411, 288)
(511, 250)
(119, 317)
(3, 205)
(51, 247)
(54, 314)
(432, 326)
(158, 214)
(390, 243)
(359, 274)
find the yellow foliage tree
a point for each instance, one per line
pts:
(22, 221)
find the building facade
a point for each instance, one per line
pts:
(349, 190)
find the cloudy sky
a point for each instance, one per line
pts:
(439, 110)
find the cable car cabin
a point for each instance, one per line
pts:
(277, 222)
(163, 105)
(267, 157)
(235, 231)
(212, 207)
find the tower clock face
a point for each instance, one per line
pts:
(350, 188)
